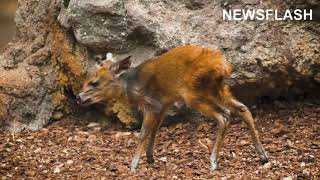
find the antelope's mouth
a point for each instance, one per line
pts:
(83, 100)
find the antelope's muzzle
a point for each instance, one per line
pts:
(82, 99)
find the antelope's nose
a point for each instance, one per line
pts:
(79, 99)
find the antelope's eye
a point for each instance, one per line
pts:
(94, 83)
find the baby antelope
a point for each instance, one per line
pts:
(190, 74)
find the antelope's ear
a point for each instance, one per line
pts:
(120, 66)
(97, 65)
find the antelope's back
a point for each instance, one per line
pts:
(184, 65)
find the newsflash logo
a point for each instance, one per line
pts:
(266, 14)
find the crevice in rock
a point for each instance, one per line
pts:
(227, 4)
(71, 99)
(195, 5)
(141, 36)
(66, 3)
(28, 117)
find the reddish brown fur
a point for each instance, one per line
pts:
(180, 70)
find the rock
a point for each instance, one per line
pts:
(244, 142)
(260, 58)
(37, 150)
(120, 134)
(57, 170)
(30, 137)
(32, 74)
(69, 162)
(287, 178)
(234, 155)
(163, 159)
(306, 172)
(267, 165)
(122, 169)
(93, 125)
(31, 173)
(3, 107)
(92, 137)
(97, 128)
(57, 115)
(18, 81)
(110, 23)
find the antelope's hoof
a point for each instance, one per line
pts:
(134, 165)
(150, 160)
(214, 166)
(264, 160)
(133, 170)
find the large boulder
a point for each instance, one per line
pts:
(38, 68)
(56, 41)
(269, 57)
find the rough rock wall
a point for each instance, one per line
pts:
(7, 11)
(56, 39)
(38, 67)
(270, 58)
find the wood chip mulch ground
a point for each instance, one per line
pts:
(70, 149)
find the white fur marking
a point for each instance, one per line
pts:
(110, 58)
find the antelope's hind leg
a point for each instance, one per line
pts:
(223, 125)
(150, 146)
(245, 114)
